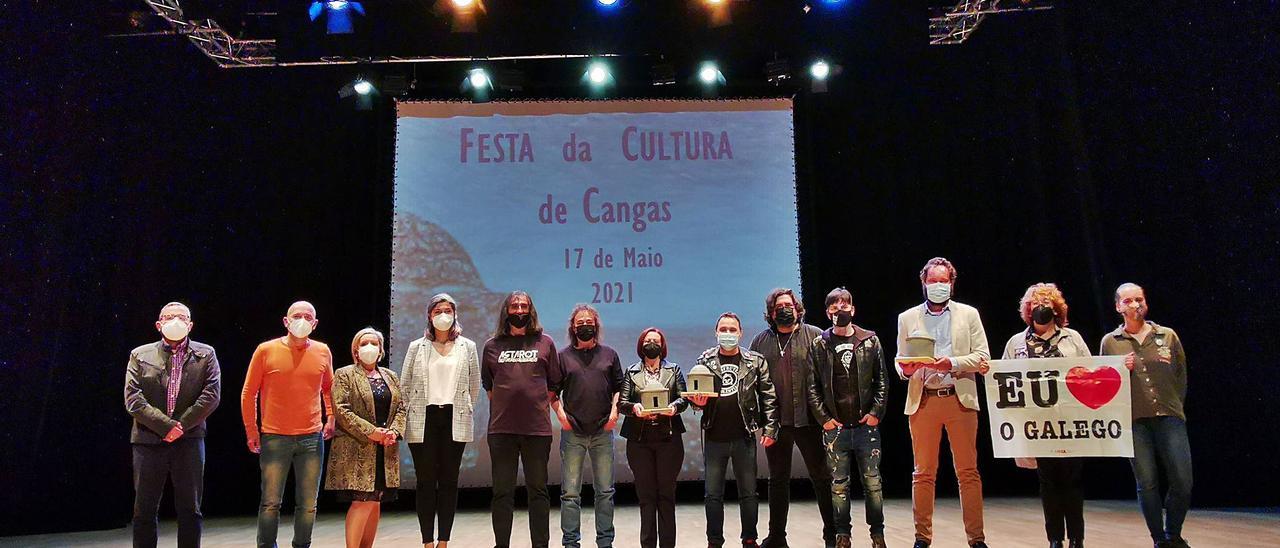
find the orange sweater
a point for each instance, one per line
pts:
(290, 384)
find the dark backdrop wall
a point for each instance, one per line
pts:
(1098, 143)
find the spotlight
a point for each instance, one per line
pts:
(820, 70)
(478, 78)
(338, 15)
(598, 73)
(361, 90)
(709, 75)
(462, 14)
(607, 3)
(718, 13)
(478, 84)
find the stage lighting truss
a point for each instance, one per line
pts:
(954, 25)
(228, 51)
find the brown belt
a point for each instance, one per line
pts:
(941, 392)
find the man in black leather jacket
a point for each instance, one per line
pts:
(848, 397)
(787, 346)
(746, 403)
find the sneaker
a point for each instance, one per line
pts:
(920, 543)
(750, 542)
(774, 542)
(979, 544)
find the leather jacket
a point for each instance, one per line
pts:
(756, 397)
(873, 375)
(800, 344)
(633, 381)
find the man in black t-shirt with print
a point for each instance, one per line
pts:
(848, 398)
(746, 403)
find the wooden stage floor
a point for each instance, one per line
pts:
(1010, 523)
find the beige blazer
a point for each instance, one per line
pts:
(968, 347)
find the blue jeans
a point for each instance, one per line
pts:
(1163, 440)
(717, 455)
(305, 453)
(573, 449)
(844, 445)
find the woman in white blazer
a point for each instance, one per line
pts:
(441, 383)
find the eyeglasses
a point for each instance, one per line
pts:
(183, 317)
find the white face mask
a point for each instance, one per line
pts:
(727, 340)
(369, 353)
(938, 293)
(175, 329)
(442, 322)
(300, 328)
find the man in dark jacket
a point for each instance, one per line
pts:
(786, 346)
(746, 403)
(848, 397)
(170, 388)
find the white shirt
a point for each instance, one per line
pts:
(442, 374)
(939, 326)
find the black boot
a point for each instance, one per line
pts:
(1055, 544)
(1075, 543)
(920, 543)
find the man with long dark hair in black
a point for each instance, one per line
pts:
(521, 373)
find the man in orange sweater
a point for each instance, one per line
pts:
(288, 380)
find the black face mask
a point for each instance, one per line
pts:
(785, 316)
(843, 318)
(652, 350)
(518, 320)
(1042, 315)
(585, 333)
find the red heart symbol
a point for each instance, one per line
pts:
(1093, 388)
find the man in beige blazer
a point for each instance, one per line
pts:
(942, 393)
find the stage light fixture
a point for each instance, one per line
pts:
(777, 71)
(607, 3)
(717, 13)
(662, 74)
(362, 87)
(709, 75)
(819, 73)
(478, 84)
(479, 78)
(598, 73)
(338, 15)
(462, 14)
(820, 70)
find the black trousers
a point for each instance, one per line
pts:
(182, 462)
(655, 466)
(436, 462)
(1062, 495)
(506, 453)
(809, 440)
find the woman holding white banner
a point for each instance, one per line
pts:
(1044, 310)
